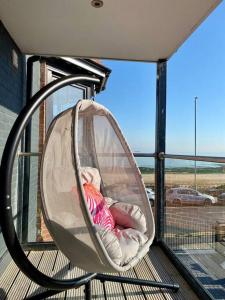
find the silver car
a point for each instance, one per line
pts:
(221, 199)
(151, 195)
(187, 196)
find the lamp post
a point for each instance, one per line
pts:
(195, 140)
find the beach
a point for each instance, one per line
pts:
(187, 179)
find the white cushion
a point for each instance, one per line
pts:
(122, 246)
(128, 216)
(111, 243)
(110, 201)
(130, 241)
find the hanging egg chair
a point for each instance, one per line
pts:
(85, 146)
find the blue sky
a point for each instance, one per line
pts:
(196, 69)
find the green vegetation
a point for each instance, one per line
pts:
(188, 170)
(199, 170)
(146, 170)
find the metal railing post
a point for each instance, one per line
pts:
(160, 148)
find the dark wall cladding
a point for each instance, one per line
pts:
(11, 75)
(12, 99)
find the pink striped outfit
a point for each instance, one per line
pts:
(99, 210)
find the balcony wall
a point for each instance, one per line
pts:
(12, 88)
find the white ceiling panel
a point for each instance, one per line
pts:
(145, 30)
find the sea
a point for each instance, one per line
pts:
(149, 162)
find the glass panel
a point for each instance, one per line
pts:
(147, 168)
(28, 200)
(15, 202)
(33, 209)
(35, 128)
(195, 219)
(61, 100)
(58, 102)
(35, 118)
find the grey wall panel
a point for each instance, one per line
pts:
(12, 64)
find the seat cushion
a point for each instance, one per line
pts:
(111, 244)
(130, 241)
(128, 216)
(121, 226)
(122, 245)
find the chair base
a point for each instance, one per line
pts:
(103, 278)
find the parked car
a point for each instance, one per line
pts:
(221, 199)
(221, 196)
(187, 196)
(151, 195)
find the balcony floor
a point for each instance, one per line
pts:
(14, 285)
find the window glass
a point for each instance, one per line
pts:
(61, 100)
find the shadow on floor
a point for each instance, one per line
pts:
(40, 294)
(3, 295)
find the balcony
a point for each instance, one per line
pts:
(154, 266)
(189, 244)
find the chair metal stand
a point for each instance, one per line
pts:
(87, 291)
(111, 278)
(136, 281)
(141, 282)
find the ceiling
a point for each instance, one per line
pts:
(145, 30)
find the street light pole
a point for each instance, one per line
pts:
(195, 141)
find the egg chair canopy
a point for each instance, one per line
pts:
(81, 139)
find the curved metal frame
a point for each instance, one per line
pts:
(6, 169)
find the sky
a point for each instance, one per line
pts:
(196, 69)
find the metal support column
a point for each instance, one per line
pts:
(160, 147)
